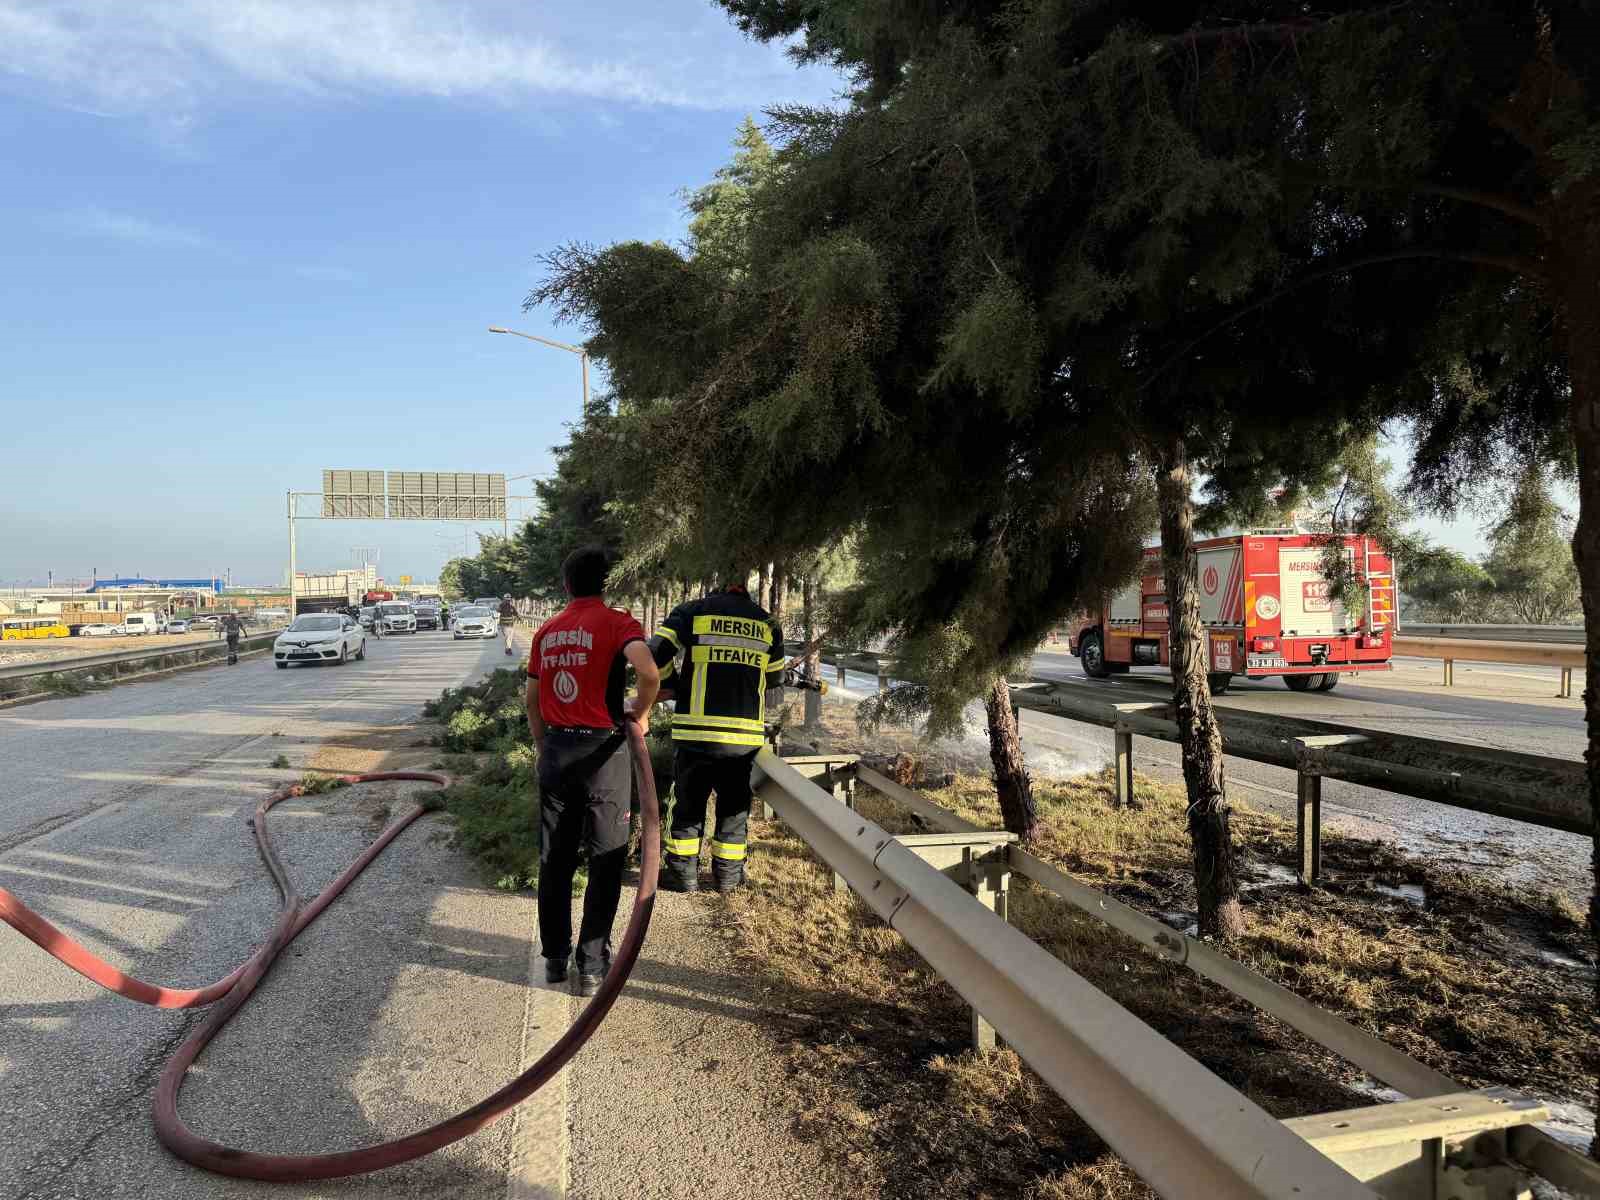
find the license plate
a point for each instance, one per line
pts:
(1267, 660)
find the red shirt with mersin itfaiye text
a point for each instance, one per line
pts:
(577, 659)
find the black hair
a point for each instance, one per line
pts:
(584, 571)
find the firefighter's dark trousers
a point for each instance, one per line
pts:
(583, 803)
(696, 775)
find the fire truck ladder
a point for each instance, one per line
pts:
(1380, 592)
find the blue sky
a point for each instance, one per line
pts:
(246, 240)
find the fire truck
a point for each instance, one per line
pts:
(1266, 609)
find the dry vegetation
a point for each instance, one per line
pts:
(877, 1044)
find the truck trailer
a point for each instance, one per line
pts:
(1266, 607)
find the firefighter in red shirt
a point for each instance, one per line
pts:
(576, 670)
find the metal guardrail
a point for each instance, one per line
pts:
(1566, 656)
(1564, 635)
(15, 680)
(1533, 1147)
(1183, 1130)
(1550, 792)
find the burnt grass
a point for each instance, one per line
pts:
(878, 1046)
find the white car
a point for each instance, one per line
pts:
(177, 627)
(397, 617)
(474, 621)
(99, 631)
(319, 637)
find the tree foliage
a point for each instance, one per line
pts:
(1530, 559)
(1052, 249)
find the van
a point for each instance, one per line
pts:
(133, 623)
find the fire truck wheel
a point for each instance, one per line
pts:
(1218, 683)
(1092, 655)
(1329, 682)
(1302, 683)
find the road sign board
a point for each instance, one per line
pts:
(414, 495)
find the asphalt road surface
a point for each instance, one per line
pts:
(123, 820)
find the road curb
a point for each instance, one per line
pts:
(540, 1165)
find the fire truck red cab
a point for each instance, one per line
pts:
(1266, 608)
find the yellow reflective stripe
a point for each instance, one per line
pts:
(727, 851)
(680, 734)
(689, 847)
(665, 672)
(697, 693)
(747, 627)
(667, 633)
(722, 722)
(728, 656)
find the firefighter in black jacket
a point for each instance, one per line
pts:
(732, 668)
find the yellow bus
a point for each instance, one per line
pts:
(16, 629)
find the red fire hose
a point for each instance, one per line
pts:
(235, 989)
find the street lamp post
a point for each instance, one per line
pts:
(582, 354)
(505, 517)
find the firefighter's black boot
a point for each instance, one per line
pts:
(680, 873)
(727, 862)
(555, 970)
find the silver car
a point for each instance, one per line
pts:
(397, 617)
(474, 621)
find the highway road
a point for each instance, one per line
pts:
(1510, 707)
(123, 819)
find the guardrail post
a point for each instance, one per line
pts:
(838, 791)
(987, 880)
(1122, 746)
(1565, 691)
(838, 668)
(1308, 753)
(1123, 740)
(883, 678)
(1449, 672)
(1308, 826)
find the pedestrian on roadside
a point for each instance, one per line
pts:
(576, 671)
(231, 629)
(508, 619)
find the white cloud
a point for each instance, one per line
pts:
(123, 227)
(171, 58)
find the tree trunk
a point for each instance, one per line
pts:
(1011, 782)
(1580, 329)
(762, 584)
(780, 592)
(1215, 877)
(808, 630)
